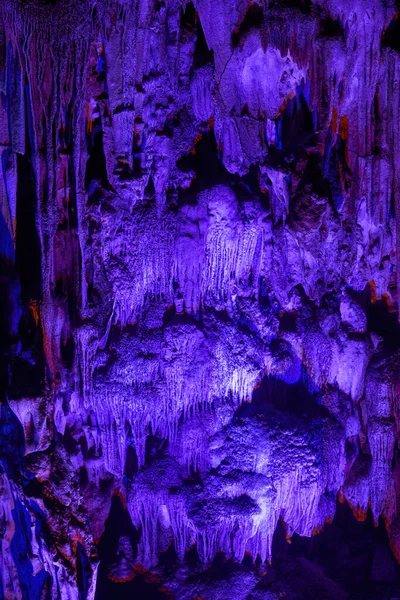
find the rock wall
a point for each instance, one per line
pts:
(199, 281)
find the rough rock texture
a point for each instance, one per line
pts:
(199, 287)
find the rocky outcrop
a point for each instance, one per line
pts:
(199, 208)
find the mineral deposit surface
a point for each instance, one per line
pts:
(199, 288)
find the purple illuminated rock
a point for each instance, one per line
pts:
(199, 208)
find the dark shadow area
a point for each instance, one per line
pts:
(247, 187)
(294, 153)
(67, 350)
(118, 577)
(131, 463)
(274, 396)
(144, 586)
(305, 212)
(168, 559)
(28, 254)
(252, 20)
(295, 124)
(155, 448)
(190, 24)
(96, 179)
(188, 17)
(391, 36)
(21, 345)
(349, 560)
(303, 6)
(137, 149)
(381, 319)
(202, 54)
(172, 318)
(83, 571)
(205, 160)
(221, 568)
(27, 361)
(12, 442)
(336, 170)
(313, 179)
(192, 559)
(27, 378)
(169, 314)
(332, 28)
(9, 298)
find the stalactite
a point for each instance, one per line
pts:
(199, 218)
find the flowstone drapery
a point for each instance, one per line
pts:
(200, 206)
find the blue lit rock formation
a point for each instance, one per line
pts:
(199, 295)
